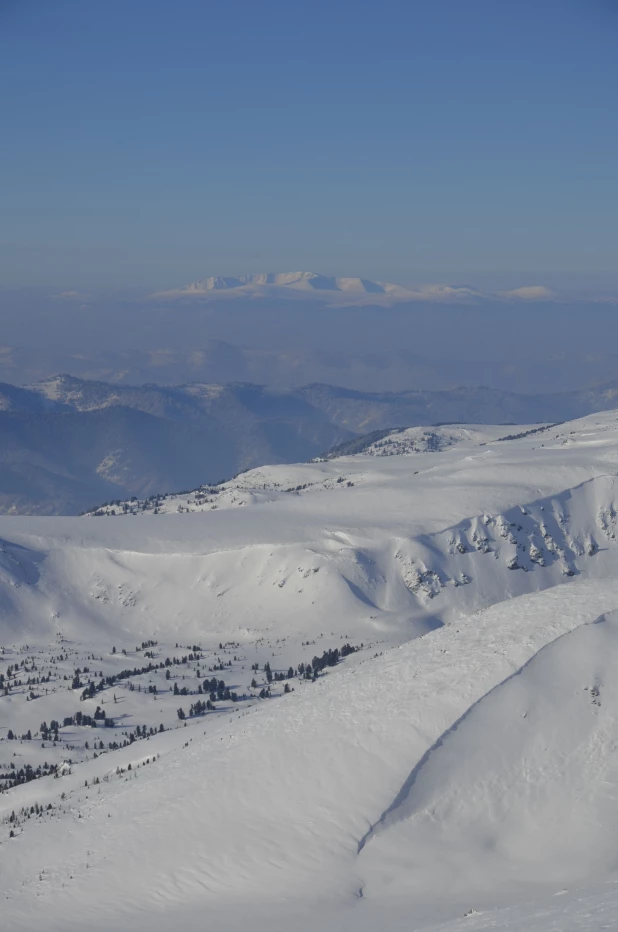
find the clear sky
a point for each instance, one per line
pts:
(158, 141)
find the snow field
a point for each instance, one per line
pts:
(465, 759)
(288, 814)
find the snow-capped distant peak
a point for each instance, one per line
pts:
(305, 281)
(328, 287)
(345, 290)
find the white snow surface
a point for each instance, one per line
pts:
(268, 483)
(404, 441)
(460, 770)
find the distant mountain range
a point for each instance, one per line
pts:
(302, 281)
(344, 290)
(67, 444)
(292, 329)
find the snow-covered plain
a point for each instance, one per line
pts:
(458, 770)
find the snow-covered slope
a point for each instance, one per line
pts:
(263, 816)
(404, 440)
(346, 469)
(461, 758)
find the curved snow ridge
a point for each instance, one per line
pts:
(404, 806)
(520, 791)
(245, 593)
(375, 579)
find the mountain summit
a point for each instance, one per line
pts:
(337, 290)
(307, 282)
(302, 280)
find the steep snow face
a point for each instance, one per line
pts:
(519, 791)
(463, 758)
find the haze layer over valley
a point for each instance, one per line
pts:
(67, 444)
(111, 394)
(292, 329)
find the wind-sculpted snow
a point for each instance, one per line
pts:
(457, 758)
(502, 796)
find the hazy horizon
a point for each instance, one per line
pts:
(424, 142)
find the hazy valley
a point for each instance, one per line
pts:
(67, 444)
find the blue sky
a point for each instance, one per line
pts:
(150, 143)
